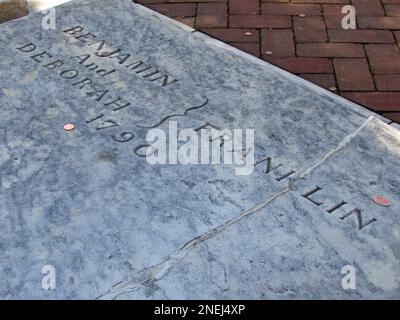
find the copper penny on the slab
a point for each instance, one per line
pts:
(69, 127)
(382, 201)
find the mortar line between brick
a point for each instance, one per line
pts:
(195, 15)
(369, 67)
(331, 59)
(384, 8)
(260, 43)
(294, 36)
(228, 14)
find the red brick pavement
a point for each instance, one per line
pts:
(305, 37)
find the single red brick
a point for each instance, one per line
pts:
(278, 41)
(388, 82)
(150, 1)
(174, 9)
(368, 8)
(339, 50)
(353, 75)
(333, 15)
(303, 65)
(378, 101)
(212, 15)
(176, 1)
(310, 29)
(317, 1)
(259, 21)
(189, 21)
(234, 35)
(392, 23)
(249, 47)
(360, 36)
(384, 58)
(394, 116)
(324, 80)
(244, 7)
(393, 10)
(290, 9)
(391, 1)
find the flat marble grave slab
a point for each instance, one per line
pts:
(88, 203)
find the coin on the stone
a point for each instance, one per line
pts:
(382, 201)
(69, 127)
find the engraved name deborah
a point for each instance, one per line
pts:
(84, 72)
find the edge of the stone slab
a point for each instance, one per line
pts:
(296, 79)
(395, 125)
(163, 17)
(212, 41)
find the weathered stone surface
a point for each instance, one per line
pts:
(294, 248)
(84, 202)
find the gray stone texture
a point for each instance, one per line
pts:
(115, 226)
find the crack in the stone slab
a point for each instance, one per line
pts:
(157, 272)
(339, 147)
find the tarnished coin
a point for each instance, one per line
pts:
(69, 127)
(382, 201)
